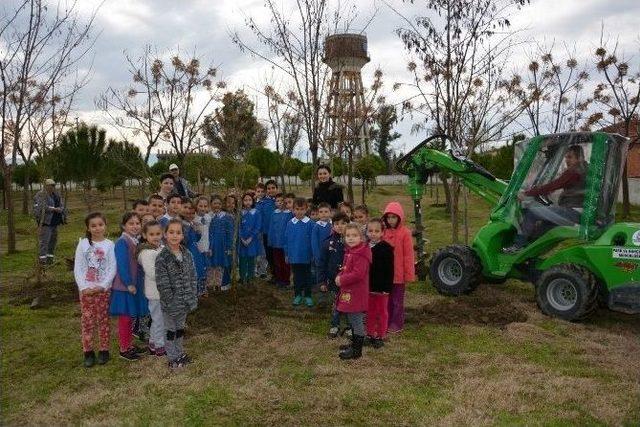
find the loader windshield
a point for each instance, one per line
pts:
(568, 179)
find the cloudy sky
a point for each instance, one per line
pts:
(204, 25)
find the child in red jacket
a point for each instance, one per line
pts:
(398, 236)
(353, 281)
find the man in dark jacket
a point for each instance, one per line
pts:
(49, 214)
(181, 187)
(329, 265)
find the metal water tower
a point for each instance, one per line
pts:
(346, 130)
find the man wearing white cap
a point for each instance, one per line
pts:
(49, 213)
(182, 185)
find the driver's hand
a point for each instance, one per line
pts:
(521, 196)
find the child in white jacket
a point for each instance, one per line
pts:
(147, 252)
(94, 270)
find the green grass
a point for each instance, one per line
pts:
(262, 363)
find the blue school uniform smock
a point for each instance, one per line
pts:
(297, 240)
(265, 208)
(321, 230)
(128, 272)
(279, 220)
(250, 225)
(191, 238)
(220, 239)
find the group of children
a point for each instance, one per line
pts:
(173, 250)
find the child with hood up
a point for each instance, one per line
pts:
(399, 236)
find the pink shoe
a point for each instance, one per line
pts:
(160, 351)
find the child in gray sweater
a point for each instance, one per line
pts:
(177, 286)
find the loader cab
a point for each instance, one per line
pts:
(567, 179)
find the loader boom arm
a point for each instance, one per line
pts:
(420, 164)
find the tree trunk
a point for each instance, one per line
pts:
(465, 218)
(87, 196)
(25, 195)
(350, 178)
(625, 192)
(314, 164)
(454, 210)
(124, 196)
(11, 223)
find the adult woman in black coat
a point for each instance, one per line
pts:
(327, 190)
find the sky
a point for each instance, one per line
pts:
(203, 26)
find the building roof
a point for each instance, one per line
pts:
(634, 129)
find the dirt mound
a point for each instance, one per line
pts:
(465, 310)
(228, 311)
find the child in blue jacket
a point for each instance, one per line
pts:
(329, 264)
(249, 245)
(192, 234)
(321, 230)
(220, 241)
(297, 250)
(281, 215)
(265, 207)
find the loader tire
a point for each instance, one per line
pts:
(567, 291)
(455, 270)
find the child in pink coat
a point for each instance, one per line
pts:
(353, 282)
(398, 236)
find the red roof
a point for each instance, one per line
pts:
(634, 130)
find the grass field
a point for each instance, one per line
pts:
(485, 359)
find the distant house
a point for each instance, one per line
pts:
(633, 157)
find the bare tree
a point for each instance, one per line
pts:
(296, 37)
(457, 55)
(40, 49)
(619, 96)
(285, 121)
(136, 109)
(167, 100)
(551, 92)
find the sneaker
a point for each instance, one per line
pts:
(130, 355)
(139, 350)
(297, 300)
(377, 343)
(308, 301)
(103, 357)
(368, 340)
(334, 332)
(175, 364)
(185, 359)
(347, 332)
(160, 351)
(89, 359)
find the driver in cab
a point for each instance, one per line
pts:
(572, 183)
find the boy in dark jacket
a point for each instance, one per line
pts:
(329, 264)
(176, 281)
(380, 283)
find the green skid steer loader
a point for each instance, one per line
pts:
(560, 205)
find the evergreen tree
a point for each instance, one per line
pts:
(382, 134)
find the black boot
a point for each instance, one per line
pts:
(348, 345)
(103, 357)
(356, 349)
(89, 359)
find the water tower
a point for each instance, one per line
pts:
(346, 131)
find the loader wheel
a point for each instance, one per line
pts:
(455, 270)
(567, 291)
